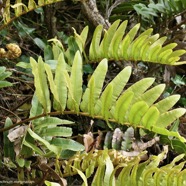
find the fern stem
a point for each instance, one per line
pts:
(86, 114)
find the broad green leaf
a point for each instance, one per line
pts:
(94, 46)
(50, 78)
(152, 95)
(116, 40)
(167, 118)
(52, 148)
(5, 84)
(56, 131)
(127, 41)
(150, 117)
(136, 112)
(164, 131)
(167, 103)
(145, 48)
(40, 83)
(98, 77)
(118, 84)
(122, 106)
(60, 83)
(51, 122)
(67, 144)
(76, 82)
(71, 100)
(105, 44)
(134, 48)
(4, 75)
(140, 87)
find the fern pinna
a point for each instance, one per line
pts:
(135, 106)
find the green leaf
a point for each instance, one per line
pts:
(52, 148)
(67, 144)
(36, 108)
(105, 44)
(122, 106)
(39, 43)
(60, 83)
(40, 83)
(51, 122)
(56, 131)
(140, 87)
(137, 111)
(76, 83)
(167, 118)
(94, 46)
(127, 41)
(106, 100)
(152, 95)
(150, 118)
(5, 84)
(98, 77)
(167, 103)
(8, 145)
(81, 39)
(116, 40)
(50, 78)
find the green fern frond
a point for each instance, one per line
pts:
(164, 7)
(136, 106)
(118, 45)
(116, 169)
(19, 8)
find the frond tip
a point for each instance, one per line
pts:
(118, 45)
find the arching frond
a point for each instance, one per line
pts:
(19, 8)
(118, 45)
(128, 171)
(135, 106)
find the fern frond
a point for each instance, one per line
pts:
(119, 170)
(116, 45)
(136, 106)
(19, 8)
(166, 8)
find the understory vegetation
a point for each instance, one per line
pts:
(93, 92)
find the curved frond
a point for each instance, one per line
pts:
(128, 171)
(135, 106)
(19, 8)
(115, 44)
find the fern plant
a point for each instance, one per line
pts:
(136, 106)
